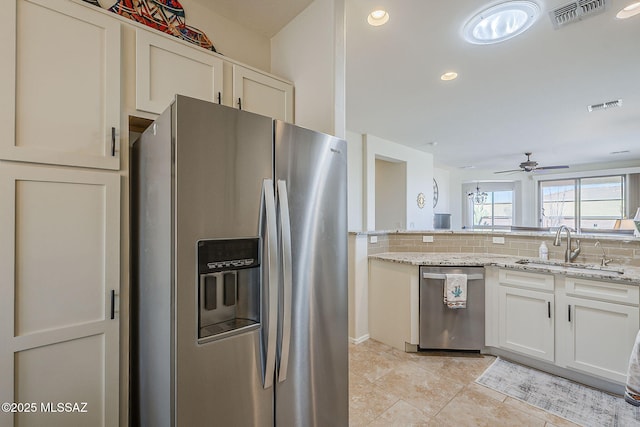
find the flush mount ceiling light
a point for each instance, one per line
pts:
(629, 11)
(378, 17)
(451, 75)
(501, 22)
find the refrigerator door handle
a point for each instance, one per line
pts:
(272, 277)
(287, 276)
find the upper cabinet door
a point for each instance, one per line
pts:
(60, 86)
(165, 67)
(262, 94)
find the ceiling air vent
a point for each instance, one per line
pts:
(605, 105)
(576, 11)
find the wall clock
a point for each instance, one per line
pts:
(435, 193)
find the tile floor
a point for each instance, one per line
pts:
(388, 387)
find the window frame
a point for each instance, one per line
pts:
(577, 185)
(490, 187)
(493, 225)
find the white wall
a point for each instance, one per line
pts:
(442, 176)
(358, 289)
(355, 175)
(309, 51)
(391, 194)
(419, 180)
(228, 37)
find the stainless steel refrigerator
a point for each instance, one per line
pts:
(239, 271)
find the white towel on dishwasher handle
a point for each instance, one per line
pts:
(455, 290)
(632, 391)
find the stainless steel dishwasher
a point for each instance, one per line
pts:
(446, 328)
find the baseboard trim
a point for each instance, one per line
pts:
(359, 340)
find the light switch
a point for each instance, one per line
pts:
(498, 240)
(373, 239)
(427, 239)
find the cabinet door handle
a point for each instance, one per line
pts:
(113, 142)
(113, 304)
(549, 309)
(239, 103)
(569, 312)
(219, 97)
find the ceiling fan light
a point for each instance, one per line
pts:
(532, 166)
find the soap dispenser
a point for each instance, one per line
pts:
(543, 251)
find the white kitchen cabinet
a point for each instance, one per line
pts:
(526, 322)
(580, 324)
(59, 281)
(166, 67)
(394, 303)
(597, 325)
(262, 94)
(60, 86)
(525, 308)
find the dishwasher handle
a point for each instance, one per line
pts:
(440, 276)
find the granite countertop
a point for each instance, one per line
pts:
(631, 275)
(506, 233)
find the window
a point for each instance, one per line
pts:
(496, 212)
(582, 203)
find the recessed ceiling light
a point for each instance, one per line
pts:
(501, 22)
(629, 11)
(378, 17)
(449, 76)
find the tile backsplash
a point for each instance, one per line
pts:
(623, 252)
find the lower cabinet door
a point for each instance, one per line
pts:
(526, 322)
(59, 281)
(597, 337)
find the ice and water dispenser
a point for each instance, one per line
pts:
(229, 287)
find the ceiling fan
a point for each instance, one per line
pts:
(532, 166)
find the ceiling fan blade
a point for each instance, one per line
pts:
(513, 170)
(552, 167)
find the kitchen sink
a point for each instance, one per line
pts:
(566, 267)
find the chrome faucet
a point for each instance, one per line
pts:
(570, 254)
(605, 261)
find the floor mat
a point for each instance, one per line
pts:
(575, 402)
